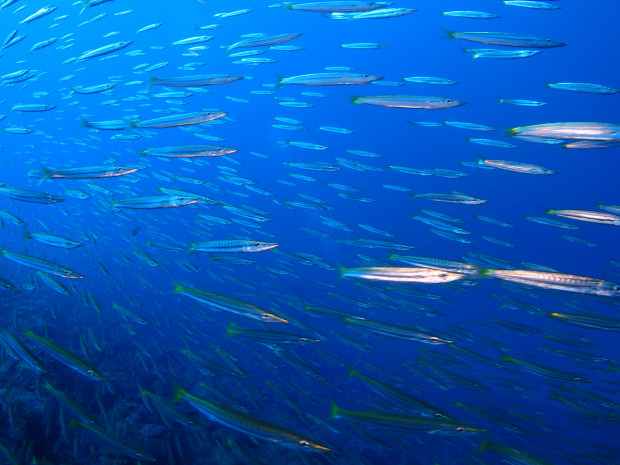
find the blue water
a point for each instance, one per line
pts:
(513, 406)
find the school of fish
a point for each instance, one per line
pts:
(340, 285)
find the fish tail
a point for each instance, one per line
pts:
(473, 55)
(152, 80)
(74, 423)
(449, 34)
(335, 411)
(484, 272)
(177, 288)
(83, 122)
(288, 5)
(280, 79)
(26, 235)
(354, 99)
(230, 330)
(179, 392)
(341, 271)
(483, 446)
(84, 6)
(46, 173)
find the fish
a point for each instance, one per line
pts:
(182, 119)
(589, 216)
(471, 14)
(228, 304)
(420, 424)
(26, 195)
(583, 87)
(32, 107)
(545, 371)
(198, 80)
(523, 102)
(52, 283)
(105, 50)
(410, 333)
(53, 240)
(94, 89)
(570, 130)
(46, 10)
(188, 151)
(342, 6)
(270, 337)
(19, 351)
(450, 198)
(515, 455)
(244, 423)
(232, 245)
(193, 40)
(262, 41)
(87, 172)
(506, 38)
(128, 314)
(154, 201)
(435, 81)
(531, 4)
(496, 53)
(375, 14)
(40, 264)
(557, 281)
(329, 79)
(116, 443)
(363, 45)
(66, 357)
(401, 274)
(592, 321)
(518, 167)
(409, 101)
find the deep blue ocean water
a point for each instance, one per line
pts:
(522, 416)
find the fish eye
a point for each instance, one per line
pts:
(90, 372)
(304, 444)
(266, 316)
(256, 243)
(49, 197)
(460, 429)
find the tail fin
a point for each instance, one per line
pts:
(179, 392)
(45, 175)
(335, 412)
(341, 271)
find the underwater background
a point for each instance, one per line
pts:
(156, 352)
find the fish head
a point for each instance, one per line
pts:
(306, 444)
(271, 318)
